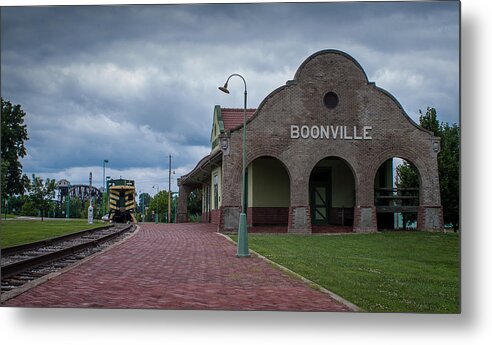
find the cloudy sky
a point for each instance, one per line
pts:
(133, 84)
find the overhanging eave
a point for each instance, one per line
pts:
(202, 171)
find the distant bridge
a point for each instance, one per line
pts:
(81, 191)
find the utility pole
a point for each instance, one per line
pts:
(169, 194)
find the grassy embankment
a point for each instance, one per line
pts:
(15, 232)
(381, 272)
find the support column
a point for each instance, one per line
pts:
(299, 219)
(229, 218)
(184, 192)
(430, 213)
(299, 209)
(231, 190)
(430, 218)
(365, 219)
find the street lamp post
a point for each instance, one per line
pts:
(105, 195)
(142, 205)
(157, 204)
(106, 203)
(242, 241)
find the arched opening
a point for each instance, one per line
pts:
(332, 196)
(268, 197)
(197, 205)
(396, 194)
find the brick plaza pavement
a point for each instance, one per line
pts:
(177, 266)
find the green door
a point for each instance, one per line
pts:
(320, 203)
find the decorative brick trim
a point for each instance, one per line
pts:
(264, 216)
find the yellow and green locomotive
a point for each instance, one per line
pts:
(121, 201)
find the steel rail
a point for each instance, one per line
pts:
(49, 241)
(24, 265)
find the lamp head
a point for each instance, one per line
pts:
(224, 88)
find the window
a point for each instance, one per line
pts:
(216, 191)
(331, 100)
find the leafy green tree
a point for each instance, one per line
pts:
(59, 210)
(429, 121)
(41, 193)
(144, 198)
(14, 133)
(195, 202)
(29, 208)
(76, 208)
(407, 177)
(4, 167)
(16, 203)
(84, 209)
(449, 173)
(158, 204)
(448, 162)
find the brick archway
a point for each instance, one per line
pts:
(268, 195)
(332, 193)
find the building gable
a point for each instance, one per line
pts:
(217, 127)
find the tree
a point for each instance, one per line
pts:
(449, 173)
(195, 202)
(16, 203)
(448, 162)
(4, 167)
(143, 200)
(145, 197)
(41, 193)
(29, 208)
(159, 203)
(14, 133)
(407, 177)
(429, 121)
(76, 208)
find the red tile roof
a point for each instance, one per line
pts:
(233, 118)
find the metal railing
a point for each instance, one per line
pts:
(390, 200)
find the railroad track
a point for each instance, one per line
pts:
(24, 263)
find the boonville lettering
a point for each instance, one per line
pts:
(330, 132)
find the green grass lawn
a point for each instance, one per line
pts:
(380, 272)
(8, 216)
(15, 232)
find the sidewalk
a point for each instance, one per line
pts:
(177, 266)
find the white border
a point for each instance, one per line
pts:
(81, 326)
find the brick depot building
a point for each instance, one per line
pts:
(320, 155)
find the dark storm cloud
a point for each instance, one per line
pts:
(134, 83)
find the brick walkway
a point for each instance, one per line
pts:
(177, 266)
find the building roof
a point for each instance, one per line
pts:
(233, 117)
(201, 172)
